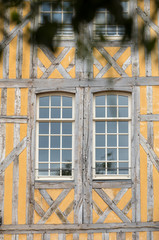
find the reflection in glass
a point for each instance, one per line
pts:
(123, 100)
(43, 141)
(67, 128)
(55, 142)
(100, 100)
(55, 155)
(112, 154)
(100, 154)
(67, 101)
(111, 112)
(100, 140)
(43, 128)
(123, 112)
(100, 127)
(46, 6)
(67, 112)
(43, 169)
(66, 155)
(43, 113)
(100, 168)
(123, 154)
(123, 168)
(55, 128)
(67, 142)
(111, 168)
(111, 140)
(43, 155)
(55, 100)
(55, 169)
(55, 112)
(123, 140)
(66, 169)
(100, 112)
(111, 100)
(112, 127)
(44, 101)
(123, 127)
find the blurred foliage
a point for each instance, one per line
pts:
(84, 13)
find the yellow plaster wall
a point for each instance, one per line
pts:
(12, 58)
(10, 101)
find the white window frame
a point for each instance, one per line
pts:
(111, 37)
(49, 120)
(60, 34)
(129, 119)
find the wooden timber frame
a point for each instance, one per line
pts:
(84, 85)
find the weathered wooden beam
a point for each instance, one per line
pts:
(38, 209)
(54, 205)
(12, 156)
(149, 151)
(149, 118)
(13, 119)
(113, 184)
(78, 228)
(112, 205)
(54, 185)
(147, 20)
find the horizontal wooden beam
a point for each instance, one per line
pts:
(84, 228)
(149, 117)
(112, 184)
(55, 84)
(13, 119)
(53, 185)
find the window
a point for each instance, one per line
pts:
(112, 130)
(61, 13)
(104, 22)
(55, 126)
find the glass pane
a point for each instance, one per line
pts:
(44, 101)
(111, 154)
(111, 127)
(67, 155)
(123, 112)
(111, 140)
(43, 169)
(100, 168)
(55, 169)
(121, 30)
(100, 29)
(111, 112)
(111, 168)
(56, 6)
(43, 141)
(55, 155)
(55, 113)
(55, 100)
(43, 113)
(100, 140)
(111, 100)
(55, 142)
(111, 30)
(66, 128)
(100, 127)
(123, 127)
(67, 6)
(45, 17)
(100, 100)
(100, 112)
(67, 101)
(110, 19)
(100, 18)
(67, 18)
(43, 155)
(43, 128)
(55, 128)
(123, 168)
(46, 6)
(123, 140)
(57, 17)
(100, 154)
(66, 169)
(67, 142)
(67, 112)
(123, 153)
(123, 100)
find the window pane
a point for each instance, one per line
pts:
(124, 5)
(66, 169)
(100, 140)
(123, 168)
(55, 128)
(111, 30)
(100, 112)
(43, 155)
(123, 112)
(123, 100)
(55, 100)
(123, 154)
(100, 18)
(67, 112)
(100, 154)
(44, 101)
(111, 100)
(56, 6)
(55, 113)
(67, 155)
(57, 17)
(123, 127)
(43, 128)
(111, 140)
(112, 127)
(111, 112)
(43, 113)
(46, 6)
(45, 17)
(67, 142)
(100, 127)
(100, 168)
(67, 18)
(67, 128)
(67, 101)
(121, 30)
(55, 155)
(111, 154)
(55, 169)
(123, 140)
(67, 6)
(55, 142)
(100, 100)
(111, 168)
(43, 141)
(43, 169)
